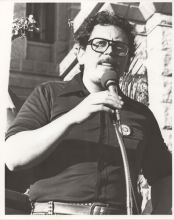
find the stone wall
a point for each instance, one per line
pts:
(155, 53)
(159, 66)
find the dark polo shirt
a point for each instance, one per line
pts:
(87, 165)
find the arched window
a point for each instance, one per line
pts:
(44, 14)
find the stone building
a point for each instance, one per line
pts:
(36, 59)
(50, 56)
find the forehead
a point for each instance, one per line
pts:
(109, 32)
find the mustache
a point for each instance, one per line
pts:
(107, 60)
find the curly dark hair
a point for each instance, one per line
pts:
(105, 18)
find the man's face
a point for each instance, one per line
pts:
(96, 64)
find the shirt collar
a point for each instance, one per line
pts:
(74, 85)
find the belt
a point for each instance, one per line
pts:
(52, 208)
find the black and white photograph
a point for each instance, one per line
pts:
(86, 109)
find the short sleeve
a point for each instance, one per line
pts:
(33, 114)
(157, 160)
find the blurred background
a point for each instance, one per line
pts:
(49, 56)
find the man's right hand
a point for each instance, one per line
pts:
(96, 102)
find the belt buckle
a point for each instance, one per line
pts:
(98, 208)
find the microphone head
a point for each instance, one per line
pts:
(109, 75)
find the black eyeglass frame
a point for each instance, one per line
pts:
(110, 43)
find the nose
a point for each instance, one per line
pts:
(109, 50)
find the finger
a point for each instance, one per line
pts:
(100, 96)
(114, 95)
(102, 108)
(116, 98)
(107, 103)
(106, 99)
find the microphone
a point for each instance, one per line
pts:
(109, 81)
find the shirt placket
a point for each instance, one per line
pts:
(100, 191)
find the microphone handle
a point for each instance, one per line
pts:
(113, 88)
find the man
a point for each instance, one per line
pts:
(63, 131)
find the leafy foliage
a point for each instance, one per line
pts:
(21, 26)
(134, 83)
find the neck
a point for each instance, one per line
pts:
(92, 87)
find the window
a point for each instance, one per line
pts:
(44, 14)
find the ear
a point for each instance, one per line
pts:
(80, 54)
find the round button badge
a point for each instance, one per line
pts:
(125, 130)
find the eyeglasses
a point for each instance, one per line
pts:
(100, 45)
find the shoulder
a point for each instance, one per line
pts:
(52, 87)
(58, 84)
(138, 107)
